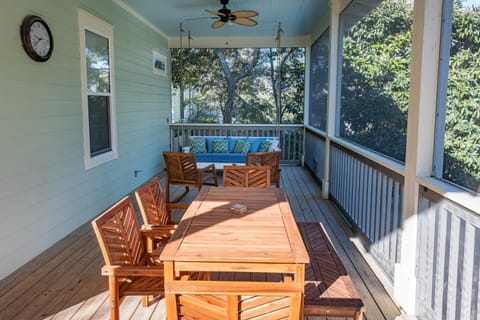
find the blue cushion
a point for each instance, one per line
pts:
(255, 144)
(198, 146)
(231, 144)
(221, 157)
(219, 146)
(210, 144)
(241, 146)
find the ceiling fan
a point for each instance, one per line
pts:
(242, 17)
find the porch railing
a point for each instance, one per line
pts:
(369, 195)
(448, 259)
(290, 136)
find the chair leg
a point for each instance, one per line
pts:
(114, 298)
(167, 190)
(358, 315)
(187, 189)
(146, 301)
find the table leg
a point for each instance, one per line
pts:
(170, 300)
(300, 278)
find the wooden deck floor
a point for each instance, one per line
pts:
(64, 282)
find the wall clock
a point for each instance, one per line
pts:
(36, 38)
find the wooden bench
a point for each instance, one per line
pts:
(329, 290)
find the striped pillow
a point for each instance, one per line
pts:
(198, 146)
(241, 146)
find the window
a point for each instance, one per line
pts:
(457, 134)
(98, 103)
(319, 82)
(375, 42)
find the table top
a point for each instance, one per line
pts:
(210, 232)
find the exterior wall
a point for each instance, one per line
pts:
(45, 191)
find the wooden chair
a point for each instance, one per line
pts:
(271, 158)
(246, 176)
(181, 169)
(130, 268)
(156, 212)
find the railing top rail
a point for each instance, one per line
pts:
(236, 125)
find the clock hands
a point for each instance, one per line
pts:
(38, 40)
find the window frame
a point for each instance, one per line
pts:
(88, 22)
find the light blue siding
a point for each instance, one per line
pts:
(45, 191)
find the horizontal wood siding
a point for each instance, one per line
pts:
(448, 259)
(44, 189)
(290, 136)
(371, 198)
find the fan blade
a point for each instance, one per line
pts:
(245, 22)
(245, 13)
(217, 24)
(217, 13)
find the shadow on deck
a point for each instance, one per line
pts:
(64, 282)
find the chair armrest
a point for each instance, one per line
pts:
(125, 271)
(155, 231)
(171, 206)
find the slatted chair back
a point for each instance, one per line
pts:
(132, 271)
(152, 205)
(119, 236)
(246, 176)
(271, 158)
(181, 167)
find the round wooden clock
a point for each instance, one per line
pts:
(36, 38)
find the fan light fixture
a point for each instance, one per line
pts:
(225, 15)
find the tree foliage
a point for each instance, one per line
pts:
(375, 87)
(242, 84)
(375, 79)
(462, 123)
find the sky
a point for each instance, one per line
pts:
(469, 3)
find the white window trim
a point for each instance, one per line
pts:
(91, 23)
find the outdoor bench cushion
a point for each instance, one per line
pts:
(221, 157)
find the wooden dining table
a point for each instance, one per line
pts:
(227, 265)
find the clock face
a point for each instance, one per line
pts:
(40, 38)
(36, 38)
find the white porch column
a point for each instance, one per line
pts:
(332, 90)
(420, 139)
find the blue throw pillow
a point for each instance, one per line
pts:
(264, 146)
(241, 146)
(209, 142)
(220, 146)
(254, 144)
(198, 146)
(231, 144)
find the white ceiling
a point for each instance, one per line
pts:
(298, 18)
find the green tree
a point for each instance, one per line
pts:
(241, 83)
(462, 123)
(375, 79)
(375, 87)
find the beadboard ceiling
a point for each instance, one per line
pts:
(298, 19)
